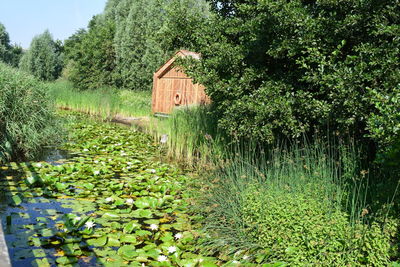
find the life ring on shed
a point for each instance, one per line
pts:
(178, 99)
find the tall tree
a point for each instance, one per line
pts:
(91, 54)
(5, 46)
(9, 53)
(43, 59)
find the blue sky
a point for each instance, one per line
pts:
(24, 19)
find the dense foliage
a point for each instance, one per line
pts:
(9, 53)
(126, 44)
(90, 55)
(288, 66)
(294, 208)
(27, 121)
(44, 58)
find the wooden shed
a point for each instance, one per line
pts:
(173, 88)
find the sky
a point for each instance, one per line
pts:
(24, 19)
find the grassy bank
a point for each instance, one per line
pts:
(314, 203)
(27, 122)
(104, 101)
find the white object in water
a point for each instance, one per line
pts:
(164, 139)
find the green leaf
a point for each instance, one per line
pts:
(129, 239)
(111, 216)
(129, 227)
(128, 252)
(66, 260)
(17, 200)
(97, 242)
(113, 241)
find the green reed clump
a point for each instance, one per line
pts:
(302, 205)
(103, 101)
(193, 135)
(27, 121)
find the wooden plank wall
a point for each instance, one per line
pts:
(169, 85)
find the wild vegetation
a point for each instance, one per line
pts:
(27, 121)
(297, 156)
(105, 101)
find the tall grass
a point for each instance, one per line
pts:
(104, 101)
(193, 135)
(307, 198)
(27, 121)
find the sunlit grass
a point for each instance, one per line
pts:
(104, 101)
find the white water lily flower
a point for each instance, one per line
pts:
(152, 170)
(129, 163)
(235, 262)
(171, 249)
(109, 199)
(76, 219)
(162, 258)
(39, 165)
(129, 201)
(153, 227)
(89, 224)
(96, 172)
(178, 236)
(246, 257)
(85, 150)
(96, 161)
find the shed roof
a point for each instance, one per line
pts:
(181, 53)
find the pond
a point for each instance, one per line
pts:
(104, 198)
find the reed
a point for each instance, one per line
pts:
(105, 102)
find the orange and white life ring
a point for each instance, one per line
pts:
(178, 98)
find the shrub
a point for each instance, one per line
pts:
(303, 230)
(302, 207)
(27, 121)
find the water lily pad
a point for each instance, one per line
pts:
(146, 202)
(113, 241)
(97, 242)
(17, 200)
(128, 252)
(111, 215)
(140, 213)
(130, 239)
(129, 227)
(66, 260)
(40, 263)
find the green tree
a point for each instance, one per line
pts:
(43, 59)
(9, 53)
(4, 44)
(287, 67)
(91, 56)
